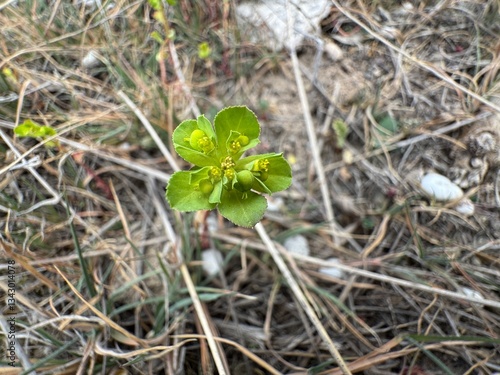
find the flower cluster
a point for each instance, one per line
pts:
(221, 178)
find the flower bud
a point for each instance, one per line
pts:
(206, 187)
(243, 140)
(261, 165)
(215, 173)
(234, 147)
(227, 163)
(195, 138)
(245, 180)
(264, 175)
(206, 145)
(229, 173)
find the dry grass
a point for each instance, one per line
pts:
(108, 277)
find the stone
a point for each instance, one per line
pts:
(297, 244)
(440, 187)
(212, 261)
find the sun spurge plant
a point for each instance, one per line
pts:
(221, 178)
(31, 129)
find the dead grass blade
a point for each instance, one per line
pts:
(25, 263)
(390, 279)
(242, 349)
(133, 340)
(311, 134)
(294, 286)
(219, 362)
(421, 64)
(159, 143)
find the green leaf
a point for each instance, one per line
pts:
(206, 126)
(216, 194)
(258, 185)
(155, 4)
(32, 129)
(386, 128)
(183, 196)
(198, 174)
(279, 173)
(181, 137)
(247, 162)
(236, 119)
(47, 131)
(26, 129)
(341, 130)
(243, 209)
(157, 37)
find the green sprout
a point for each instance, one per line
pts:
(204, 51)
(221, 178)
(31, 129)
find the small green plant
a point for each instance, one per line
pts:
(204, 51)
(341, 130)
(32, 129)
(221, 178)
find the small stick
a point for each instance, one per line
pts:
(424, 65)
(294, 286)
(203, 319)
(152, 132)
(318, 165)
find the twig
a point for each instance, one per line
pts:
(311, 134)
(55, 196)
(421, 64)
(299, 295)
(242, 349)
(97, 312)
(411, 141)
(164, 177)
(369, 274)
(152, 132)
(7, 2)
(180, 76)
(203, 319)
(394, 280)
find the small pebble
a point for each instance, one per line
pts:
(440, 187)
(90, 60)
(332, 271)
(212, 223)
(469, 292)
(333, 51)
(275, 204)
(212, 261)
(297, 244)
(125, 146)
(465, 207)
